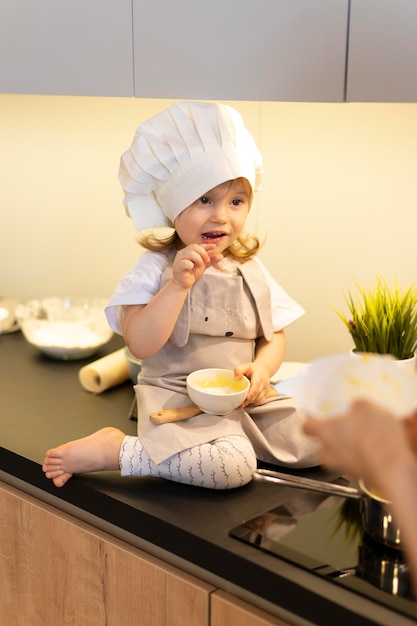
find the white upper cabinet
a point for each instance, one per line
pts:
(70, 47)
(278, 50)
(382, 60)
(283, 50)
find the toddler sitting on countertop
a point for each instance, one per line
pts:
(197, 298)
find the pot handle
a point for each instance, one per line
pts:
(307, 483)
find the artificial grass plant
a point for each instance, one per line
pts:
(383, 319)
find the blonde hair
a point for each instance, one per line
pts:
(242, 249)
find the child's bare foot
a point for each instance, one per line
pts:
(99, 451)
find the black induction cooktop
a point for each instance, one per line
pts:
(324, 534)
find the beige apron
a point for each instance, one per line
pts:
(222, 316)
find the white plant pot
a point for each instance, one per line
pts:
(408, 365)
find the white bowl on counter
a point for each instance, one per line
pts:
(216, 391)
(65, 328)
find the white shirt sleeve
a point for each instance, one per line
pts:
(284, 309)
(138, 286)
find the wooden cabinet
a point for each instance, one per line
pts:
(72, 47)
(226, 609)
(382, 51)
(57, 570)
(283, 50)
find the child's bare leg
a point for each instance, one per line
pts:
(99, 451)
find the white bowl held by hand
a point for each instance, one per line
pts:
(216, 390)
(331, 384)
(65, 328)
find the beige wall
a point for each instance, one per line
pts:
(337, 206)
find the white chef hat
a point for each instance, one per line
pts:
(180, 154)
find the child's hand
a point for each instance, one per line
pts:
(258, 374)
(191, 262)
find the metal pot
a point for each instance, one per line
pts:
(378, 518)
(384, 567)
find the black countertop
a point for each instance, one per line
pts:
(43, 405)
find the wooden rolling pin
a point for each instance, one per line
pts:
(164, 416)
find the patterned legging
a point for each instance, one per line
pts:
(224, 463)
